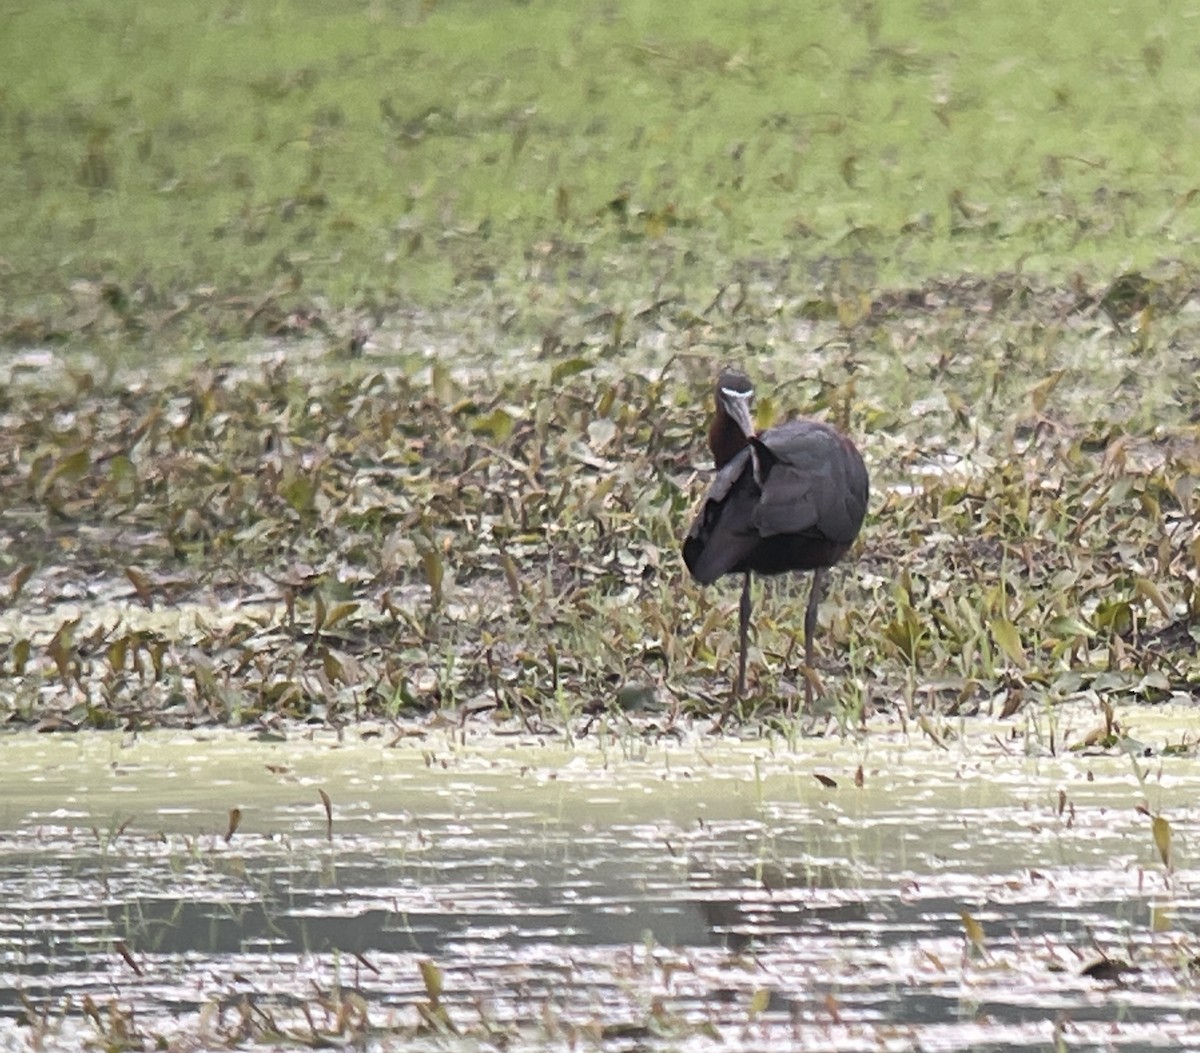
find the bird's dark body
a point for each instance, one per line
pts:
(790, 498)
(801, 510)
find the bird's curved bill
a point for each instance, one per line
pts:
(737, 405)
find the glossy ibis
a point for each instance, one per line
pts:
(792, 498)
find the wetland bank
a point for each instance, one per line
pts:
(353, 378)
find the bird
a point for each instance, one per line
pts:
(792, 498)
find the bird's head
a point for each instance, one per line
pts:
(735, 393)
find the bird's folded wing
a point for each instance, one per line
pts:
(723, 533)
(815, 486)
(805, 503)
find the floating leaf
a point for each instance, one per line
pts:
(431, 563)
(1113, 616)
(973, 930)
(1108, 970)
(120, 947)
(759, 1002)
(20, 655)
(1161, 829)
(1014, 699)
(328, 814)
(1041, 391)
(117, 651)
(431, 977)
(510, 575)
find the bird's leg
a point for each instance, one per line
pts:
(810, 630)
(739, 688)
(743, 636)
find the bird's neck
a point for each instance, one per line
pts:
(725, 439)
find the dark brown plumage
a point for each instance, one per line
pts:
(792, 498)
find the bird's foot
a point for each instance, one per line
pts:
(718, 725)
(812, 684)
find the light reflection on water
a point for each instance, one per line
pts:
(601, 891)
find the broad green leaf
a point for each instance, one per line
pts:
(1008, 640)
(568, 368)
(339, 612)
(497, 425)
(1063, 625)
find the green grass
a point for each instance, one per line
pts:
(410, 154)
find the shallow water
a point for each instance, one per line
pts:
(670, 895)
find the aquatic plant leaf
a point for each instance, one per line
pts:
(61, 648)
(328, 806)
(972, 929)
(431, 977)
(1161, 830)
(568, 368)
(141, 585)
(1041, 391)
(17, 580)
(71, 467)
(759, 1001)
(906, 633)
(1108, 970)
(20, 655)
(1004, 632)
(1069, 627)
(1145, 588)
(120, 947)
(300, 493)
(497, 425)
(601, 433)
(339, 612)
